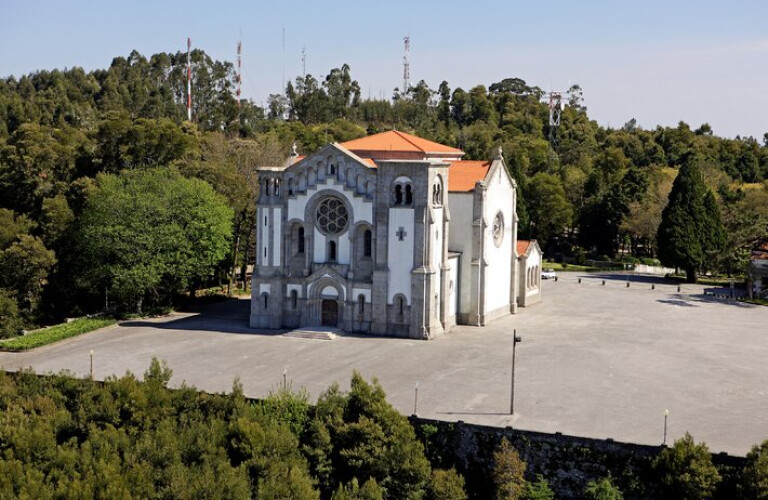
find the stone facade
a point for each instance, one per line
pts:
(359, 236)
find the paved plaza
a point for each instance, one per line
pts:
(596, 360)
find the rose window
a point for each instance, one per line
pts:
(332, 215)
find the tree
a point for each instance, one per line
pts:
(754, 477)
(10, 322)
(24, 267)
(548, 207)
(604, 489)
(508, 471)
(685, 470)
(149, 234)
(352, 491)
(691, 228)
(360, 434)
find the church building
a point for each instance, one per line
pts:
(390, 234)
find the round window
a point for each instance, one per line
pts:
(498, 229)
(332, 215)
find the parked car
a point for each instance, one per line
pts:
(548, 274)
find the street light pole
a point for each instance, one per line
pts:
(91, 364)
(515, 340)
(666, 414)
(416, 399)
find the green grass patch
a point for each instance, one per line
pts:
(759, 302)
(55, 333)
(557, 266)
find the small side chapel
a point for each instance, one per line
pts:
(390, 234)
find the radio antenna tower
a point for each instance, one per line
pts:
(406, 65)
(555, 110)
(239, 72)
(304, 61)
(189, 79)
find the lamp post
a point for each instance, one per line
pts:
(515, 340)
(416, 399)
(91, 364)
(666, 414)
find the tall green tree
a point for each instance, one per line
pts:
(754, 478)
(691, 228)
(548, 207)
(148, 234)
(686, 471)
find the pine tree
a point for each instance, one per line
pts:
(691, 230)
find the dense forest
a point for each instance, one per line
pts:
(77, 148)
(62, 437)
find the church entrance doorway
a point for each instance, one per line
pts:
(330, 313)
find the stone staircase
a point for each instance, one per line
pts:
(314, 333)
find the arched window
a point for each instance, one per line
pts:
(400, 306)
(437, 195)
(361, 304)
(367, 243)
(398, 194)
(331, 250)
(290, 187)
(408, 194)
(266, 187)
(301, 240)
(333, 169)
(265, 300)
(294, 299)
(277, 187)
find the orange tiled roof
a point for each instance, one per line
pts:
(370, 162)
(395, 140)
(463, 175)
(522, 247)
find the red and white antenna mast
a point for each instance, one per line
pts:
(189, 80)
(239, 71)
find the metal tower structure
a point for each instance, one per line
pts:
(555, 110)
(406, 65)
(239, 72)
(189, 79)
(304, 61)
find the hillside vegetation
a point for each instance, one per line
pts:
(73, 142)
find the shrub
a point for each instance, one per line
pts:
(539, 490)
(604, 489)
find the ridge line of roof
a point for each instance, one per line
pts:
(403, 135)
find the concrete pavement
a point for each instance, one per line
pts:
(596, 360)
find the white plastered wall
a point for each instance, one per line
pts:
(400, 253)
(500, 197)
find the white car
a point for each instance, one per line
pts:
(548, 274)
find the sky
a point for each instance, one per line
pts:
(656, 61)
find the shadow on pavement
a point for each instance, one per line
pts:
(677, 302)
(492, 413)
(228, 316)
